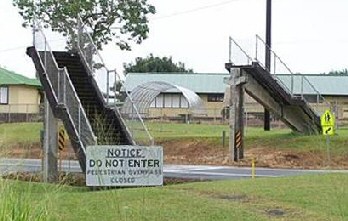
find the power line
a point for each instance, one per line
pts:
(25, 46)
(195, 9)
(13, 49)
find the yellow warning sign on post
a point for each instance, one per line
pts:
(61, 138)
(327, 121)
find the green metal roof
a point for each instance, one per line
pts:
(214, 83)
(197, 82)
(334, 85)
(11, 78)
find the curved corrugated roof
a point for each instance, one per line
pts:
(143, 95)
(11, 78)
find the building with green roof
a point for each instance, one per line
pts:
(19, 95)
(211, 88)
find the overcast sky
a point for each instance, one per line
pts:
(311, 36)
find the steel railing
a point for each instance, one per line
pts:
(237, 55)
(296, 85)
(279, 67)
(63, 90)
(96, 66)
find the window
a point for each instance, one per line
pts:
(176, 101)
(183, 102)
(345, 113)
(167, 100)
(3, 95)
(313, 98)
(215, 97)
(170, 101)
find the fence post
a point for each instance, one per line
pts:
(107, 87)
(26, 113)
(274, 63)
(9, 113)
(256, 45)
(292, 84)
(64, 89)
(223, 139)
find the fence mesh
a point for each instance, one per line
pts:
(63, 90)
(110, 79)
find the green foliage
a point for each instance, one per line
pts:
(18, 205)
(343, 72)
(99, 16)
(155, 64)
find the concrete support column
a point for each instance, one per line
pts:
(50, 149)
(236, 114)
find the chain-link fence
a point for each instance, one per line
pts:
(253, 115)
(63, 92)
(106, 79)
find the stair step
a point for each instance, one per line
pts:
(89, 98)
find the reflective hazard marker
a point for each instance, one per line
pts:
(238, 140)
(61, 139)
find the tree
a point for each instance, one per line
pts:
(343, 72)
(155, 64)
(100, 17)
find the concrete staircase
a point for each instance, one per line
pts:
(262, 84)
(265, 89)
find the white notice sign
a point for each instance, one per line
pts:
(124, 166)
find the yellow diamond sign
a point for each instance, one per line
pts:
(327, 121)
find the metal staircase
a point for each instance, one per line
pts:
(75, 98)
(276, 94)
(106, 123)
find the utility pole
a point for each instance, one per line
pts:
(267, 125)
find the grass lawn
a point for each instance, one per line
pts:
(24, 133)
(311, 197)
(254, 137)
(27, 133)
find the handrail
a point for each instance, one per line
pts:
(239, 47)
(81, 34)
(275, 56)
(53, 73)
(68, 82)
(291, 90)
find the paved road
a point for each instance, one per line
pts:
(181, 171)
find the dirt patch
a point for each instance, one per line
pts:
(193, 152)
(276, 212)
(34, 151)
(207, 153)
(204, 152)
(233, 197)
